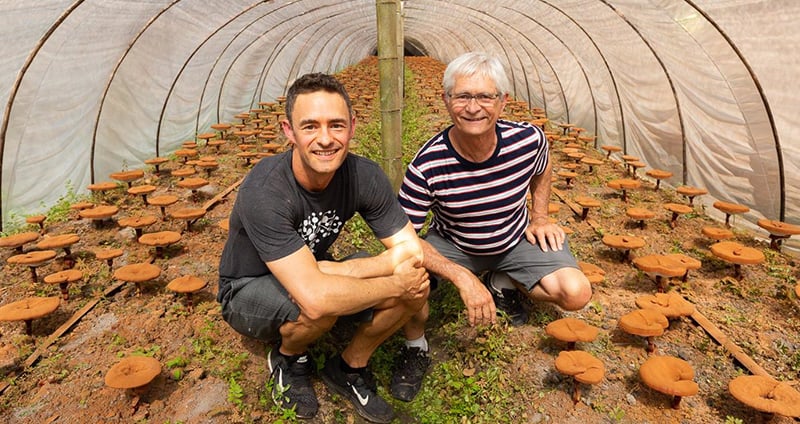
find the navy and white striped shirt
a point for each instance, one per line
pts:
(480, 207)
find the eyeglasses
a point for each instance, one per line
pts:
(483, 99)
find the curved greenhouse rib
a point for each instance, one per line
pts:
(18, 82)
(671, 87)
(764, 101)
(113, 74)
(605, 63)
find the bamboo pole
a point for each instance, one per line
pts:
(390, 68)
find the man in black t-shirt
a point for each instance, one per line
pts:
(275, 284)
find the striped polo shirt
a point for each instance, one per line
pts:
(479, 207)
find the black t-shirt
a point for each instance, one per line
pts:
(274, 216)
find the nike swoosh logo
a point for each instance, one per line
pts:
(280, 380)
(361, 399)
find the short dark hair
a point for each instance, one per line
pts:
(311, 83)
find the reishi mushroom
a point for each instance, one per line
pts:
(669, 375)
(691, 192)
(17, 241)
(766, 394)
(729, 209)
(623, 243)
(660, 268)
(658, 175)
(677, 210)
(159, 240)
(137, 273)
(587, 203)
(133, 372)
(571, 330)
(187, 284)
(63, 278)
(593, 273)
(647, 323)
(29, 309)
(582, 367)
(778, 230)
(737, 254)
(188, 214)
(640, 215)
(671, 305)
(33, 259)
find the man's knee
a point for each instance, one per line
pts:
(577, 290)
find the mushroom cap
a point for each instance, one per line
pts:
(142, 189)
(163, 200)
(137, 273)
(715, 233)
(19, 239)
(688, 262)
(66, 276)
(778, 228)
(730, 208)
(637, 164)
(160, 238)
(591, 161)
(678, 208)
(206, 136)
(629, 158)
(567, 174)
(553, 208)
(644, 322)
(669, 375)
(127, 176)
(671, 305)
(29, 308)
(658, 174)
(35, 219)
(104, 254)
(79, 206)
(593, 273)
(221, 126)
(99, 212)
(611, 149)
(188, 213)
(34, 258)
(186, 152)
(623, 242)
(690, 191)
(155, 161)
(581, 365)
(737, 253)
(107, 185)
(137, 221)
(660, 265)
(640, 213)
(624, 183)
(192, 183)
(186, 284)
(587, 202)
(183, 172)
(571, 329)
(133, 372)
(766, 394)
(55, 242)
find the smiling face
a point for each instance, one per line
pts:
(320, 130)
(473, 119)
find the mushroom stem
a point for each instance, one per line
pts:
(727, 220)
(585, 213)
(29, 327)
(658, 182)
(163, 213)
(139, 232)
(64, 291)
(189, 302)
(624, 196)
(33, 273)
(775, 241)
(737, 271)
(570, 345)
(660, 286)
(676, 402)
(674, 221)
(110, 263)
(576, 391)
(651, 346)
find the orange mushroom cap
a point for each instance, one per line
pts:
(778, 228)
(669, 375)
(34, 258)
(737, 253)
(17, 240)
(133, 372)
(766, 394)
(623, 242)
(571, 329)
(715, 233)
(99, 212)
(127, 176)
(137, 273)
(671, 305)
(581, 365)
(55, 242)
(660, 265)
(593, 273)
(730, 208)
(66, 276)
(640, 213)
(29, 308)
(678, 208)
(186, 284)
(644, 322)
(160, 238)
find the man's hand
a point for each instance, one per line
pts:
(477, 299)
(413, 279)
(546, 234)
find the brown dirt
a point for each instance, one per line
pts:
(759, 313)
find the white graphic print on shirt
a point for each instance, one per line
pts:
(319, 226)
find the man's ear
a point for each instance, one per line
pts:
(286, 126)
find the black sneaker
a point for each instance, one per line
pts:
(408, 373)
(291, 383)
(507, 301)
(360, 389)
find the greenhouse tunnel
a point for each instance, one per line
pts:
(702, 88)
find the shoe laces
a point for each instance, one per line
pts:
(414, 357)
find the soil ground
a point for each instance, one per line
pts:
(210, 374)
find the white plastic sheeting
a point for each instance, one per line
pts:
(706, 89)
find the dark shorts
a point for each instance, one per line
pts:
(526, 263)
(258, 306)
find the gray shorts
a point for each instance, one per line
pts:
(526, 263)
(258, 306)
